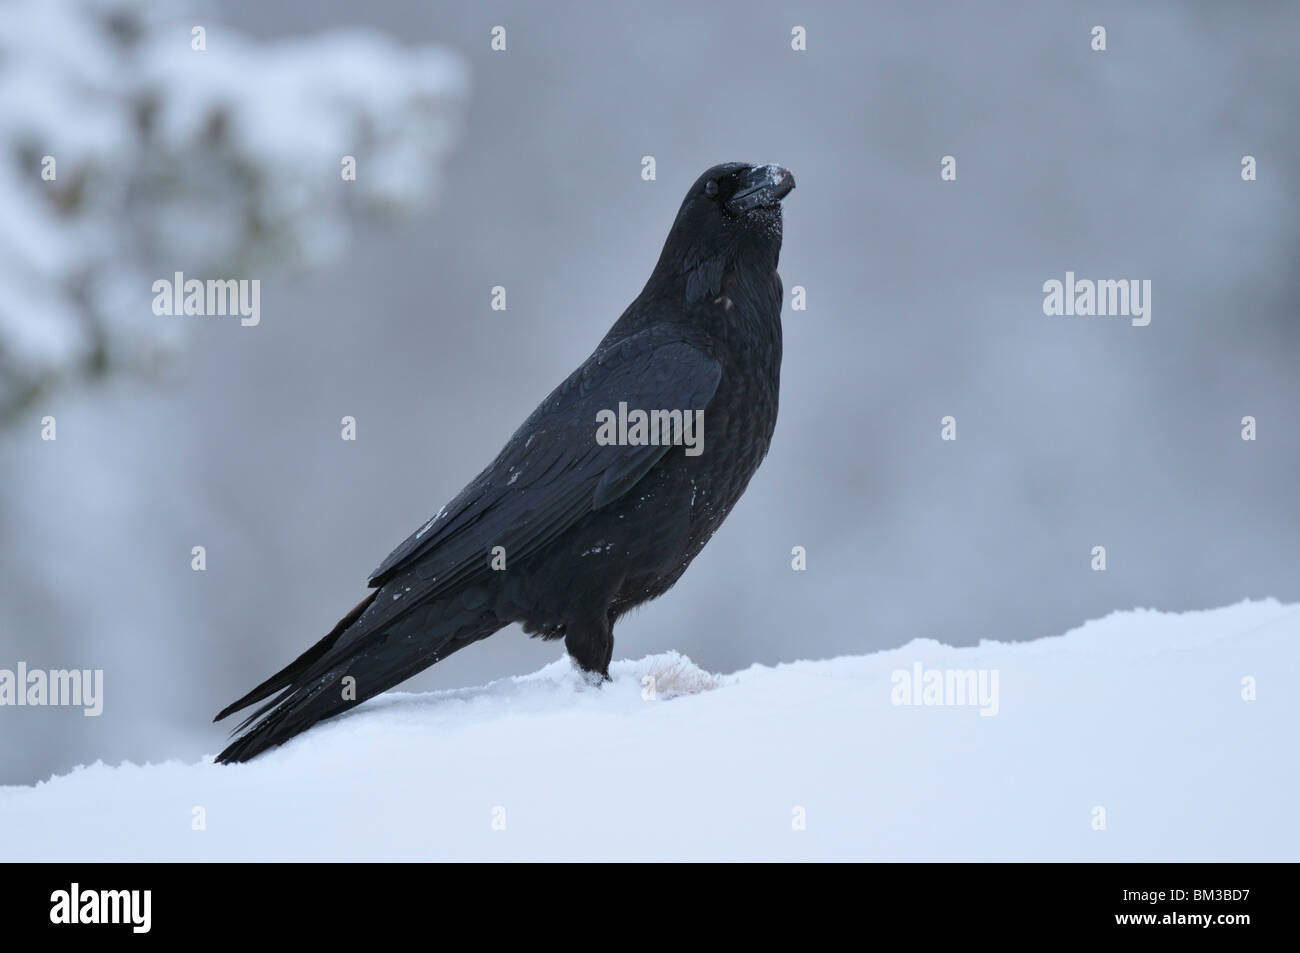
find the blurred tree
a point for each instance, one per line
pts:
(139, 139)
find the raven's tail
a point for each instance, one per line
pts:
(322, 683)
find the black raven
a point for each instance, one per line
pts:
(565, 530)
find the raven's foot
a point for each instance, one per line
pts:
(593, 678)
(591, 646)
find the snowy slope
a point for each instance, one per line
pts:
(1140, 714)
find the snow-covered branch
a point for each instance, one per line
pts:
(138, 139)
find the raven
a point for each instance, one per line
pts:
(564, 532)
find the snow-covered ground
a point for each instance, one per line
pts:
(1139, 736)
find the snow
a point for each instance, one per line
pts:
(1143, 714)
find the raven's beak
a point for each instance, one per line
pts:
(763, 185)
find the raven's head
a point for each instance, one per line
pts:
(731, 216)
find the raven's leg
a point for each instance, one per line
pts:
(591, 646)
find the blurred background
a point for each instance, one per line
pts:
(522, 168)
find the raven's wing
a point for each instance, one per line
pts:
(551, 473)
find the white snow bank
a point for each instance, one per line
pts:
(1140, 714)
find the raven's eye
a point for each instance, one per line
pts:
(711, 188)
